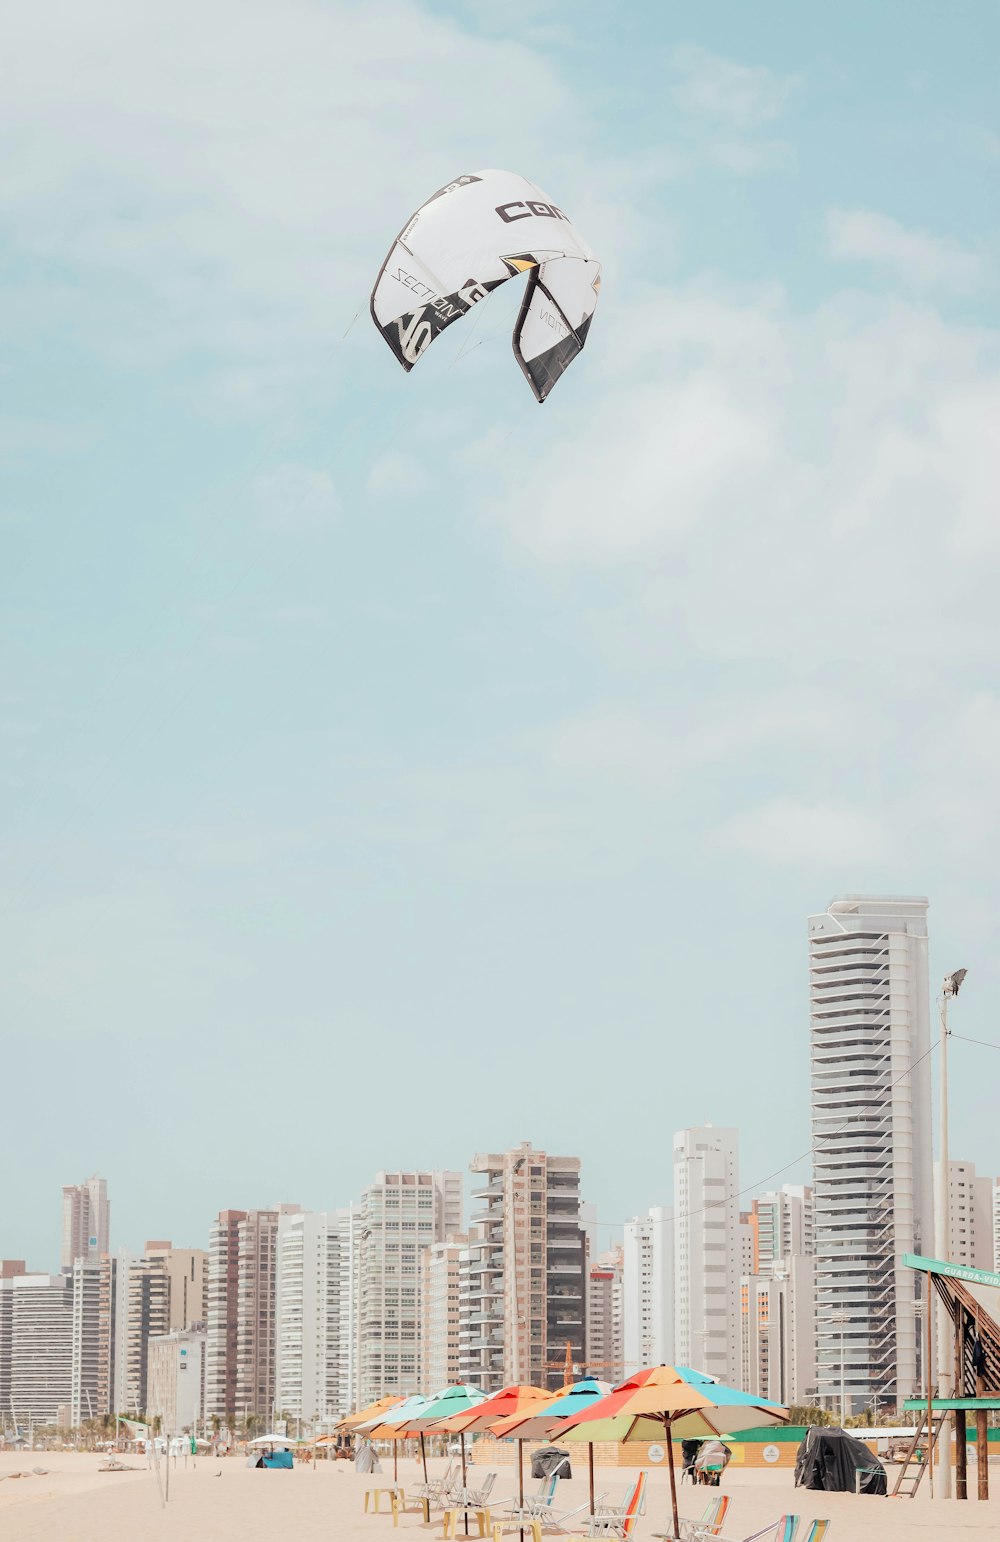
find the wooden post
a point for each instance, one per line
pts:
(982, 1446)
(961, 1451)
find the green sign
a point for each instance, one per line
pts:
(952, 1271)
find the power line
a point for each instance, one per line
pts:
(984, 1043)
(760, 1182)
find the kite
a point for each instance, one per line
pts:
(468, 239)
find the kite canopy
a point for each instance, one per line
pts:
(468, 239)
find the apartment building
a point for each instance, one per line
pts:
(316, 1317)
(648, 1290)
(402, 1214)
(527, 1278)
(711, 1240)
(86, 1222)
(871, 1126)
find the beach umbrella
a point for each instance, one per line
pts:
(395, 1426)
(549, 1420)
(380, 1406)
(508, 1403)
(443, 1406)
(665, 1402)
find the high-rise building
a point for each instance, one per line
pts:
(783, 1226)
(710, 1242)
(970, 1215)
(10, 1269)
(777, 1335)
(187, 1284)
(605, 1315)
(241, 1313)
(222, 1315)
(316, 1321)
(777, 1298)
(402, 1213)
(40, 1353)
(257, 1317)
(527, 1269)
(996, 1225)
(440, 1313)
(141, 1312)
(870, 1042)
(648, 1291)
(86, 1221)
(91, 1383)
(177, 1381)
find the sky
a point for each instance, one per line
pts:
(391, 768)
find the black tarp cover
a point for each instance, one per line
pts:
(829, 1458)
(548, 1460)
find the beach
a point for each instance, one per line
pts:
(222, 1500)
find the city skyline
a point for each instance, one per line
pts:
(353, 715)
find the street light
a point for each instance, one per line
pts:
(951, 987)
(842, 1319)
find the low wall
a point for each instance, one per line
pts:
(754, 1448)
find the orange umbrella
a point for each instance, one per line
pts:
(365, 1414)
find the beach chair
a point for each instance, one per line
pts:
(781, 1530)
(535, 1505)
(818, 1531)
(711, 1522)
(469, 1501)
(620, 1520)
(436, 1488)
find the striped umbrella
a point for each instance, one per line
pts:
(395, 1426)
(666, 1402)
(549, 1420)
(443, 1406)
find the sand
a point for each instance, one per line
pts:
(225, 1501)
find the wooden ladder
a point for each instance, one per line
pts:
(914, 1466)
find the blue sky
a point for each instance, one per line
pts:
(391, 768)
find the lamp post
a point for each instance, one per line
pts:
(951, 988)
(840, 1320)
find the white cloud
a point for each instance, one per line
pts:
(396, 474)
(922, 261)
(238, 195)
(741, 95)
(295, 499)
(814, 834)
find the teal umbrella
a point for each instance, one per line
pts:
(444, 1405)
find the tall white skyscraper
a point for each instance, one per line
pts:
(402, 1213)
(316, 1290)
(39, 1349)
(709, 1247)
(648, 1291)
(440, 1313)
(871, 1142)
(86, 1221)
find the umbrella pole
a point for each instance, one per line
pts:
(673, 1479)
(423, 1454)
(395, 1461)
(465, 1495)
(590, 1464)
(520, 1484)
